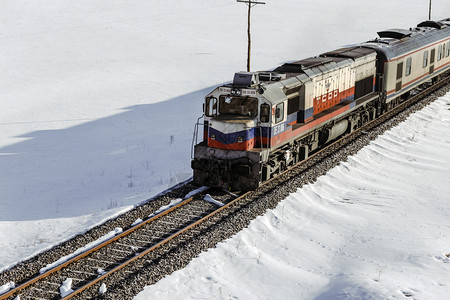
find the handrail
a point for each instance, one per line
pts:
(195, 135)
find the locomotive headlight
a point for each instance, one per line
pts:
(213, 136)
(240, 139)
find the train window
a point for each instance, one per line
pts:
(433, 53)
(408, 66)
(211, 106)
(264, 113)
(244, 106)
(425, 59)
(279, 113)
(448, 49)
(439, 56)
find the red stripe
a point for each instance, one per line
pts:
(282, 137)
(330, 100)
(418, 78)
(400, 57)
(244, 146)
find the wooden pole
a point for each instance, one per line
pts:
(429, 12)
(249, 38)
(250, 4)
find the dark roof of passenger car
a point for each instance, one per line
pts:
(397, 42)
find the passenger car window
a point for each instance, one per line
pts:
(279, 113)
(408, 66)
(439, 56)
(425, 59)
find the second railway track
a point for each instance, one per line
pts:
(173, 242)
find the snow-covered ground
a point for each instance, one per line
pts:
(374, 227)
(98, 101)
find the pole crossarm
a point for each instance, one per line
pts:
(249, 2)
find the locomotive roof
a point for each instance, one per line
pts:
(326, 62)
(349, 52)
(397, 42)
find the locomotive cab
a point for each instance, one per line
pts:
(234, 126)
(228, 156)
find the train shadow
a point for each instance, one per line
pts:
(112, 162)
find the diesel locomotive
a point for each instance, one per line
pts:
(263, 122)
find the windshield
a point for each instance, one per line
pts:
(244, 106)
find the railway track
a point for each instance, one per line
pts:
(148, 243)
(95, 264)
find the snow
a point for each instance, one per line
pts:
(66, 287)
(99, 100)
(166, 207)
(137, 221)
(6, 287)
(101, 271)
(374, 227)
(194, 192)
(102, 289)
(83, 249)
(210, 199)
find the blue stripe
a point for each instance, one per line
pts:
(231, 138)
(350, 98)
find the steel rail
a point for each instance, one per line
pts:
(378, 120)
(91, 250)
(147, 251)
(394, 110)
(386, 116)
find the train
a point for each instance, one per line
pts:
(263, 122)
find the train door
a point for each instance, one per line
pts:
(432, 56)
(398, 85)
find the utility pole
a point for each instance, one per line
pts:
(250, 4)
(429, 12)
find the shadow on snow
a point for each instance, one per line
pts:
(111, 162)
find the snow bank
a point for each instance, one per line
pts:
(374, 227)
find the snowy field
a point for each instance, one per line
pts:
(99, 99)
(374, 227)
